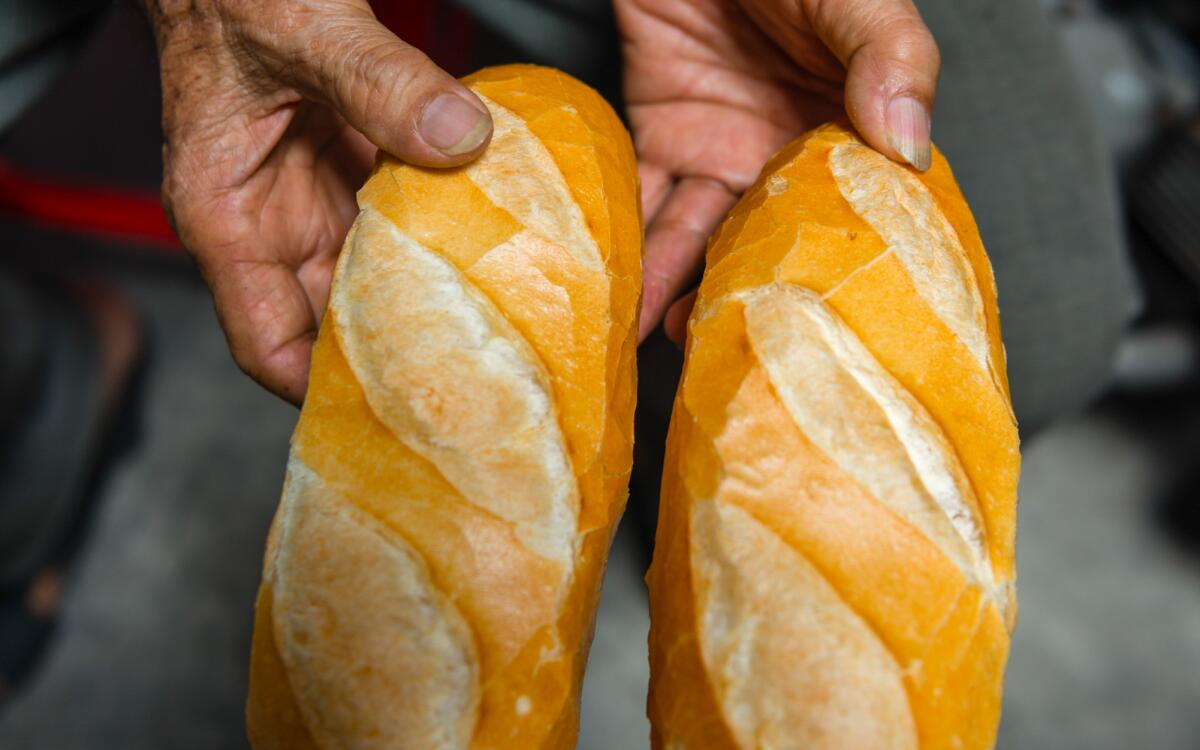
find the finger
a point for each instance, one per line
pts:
(268, 321)
(892, 64)
(675, 244)
(386, 89)
(656, 185)
(675, 323)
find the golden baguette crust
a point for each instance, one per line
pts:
(834, 566)
(463, 453)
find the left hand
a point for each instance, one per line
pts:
(715, 87)
(272, 113)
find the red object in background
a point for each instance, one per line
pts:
(134, 215)
(436, 27)
(411, 20)
(442, 32)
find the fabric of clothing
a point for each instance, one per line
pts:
(1016, 126)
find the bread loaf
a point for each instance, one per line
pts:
(834, 564)
(464, 448)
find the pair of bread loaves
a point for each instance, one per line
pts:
(834, 563)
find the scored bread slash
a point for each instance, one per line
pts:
(834, 566)
(464, 449)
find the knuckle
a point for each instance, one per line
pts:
(344, 53)
(913, 45)
(385, 76)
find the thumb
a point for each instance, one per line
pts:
(392, 93)
(892, 64)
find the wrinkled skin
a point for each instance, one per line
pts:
(272, 113)
(273, 110)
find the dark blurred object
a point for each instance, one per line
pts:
(38, 38)
(578, 36)
(79, 181)
(86, 341)
(1139, 64)
(1139, 70)
(23, 347)
(70, 349)
(120, 149)
(440, 30)
(1162, 192)
(73, 192)
(1177, 512)
(660, 364)
(1181, 15)
(1165, 417)
(1141, 59)
(1164, 195)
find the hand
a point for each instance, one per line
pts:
(715, 87)
(272, 111)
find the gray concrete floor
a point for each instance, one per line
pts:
(154, 639)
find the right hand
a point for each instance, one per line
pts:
(715, 87)
(272, 111)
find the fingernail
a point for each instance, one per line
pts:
(908, 131)
(454, 126)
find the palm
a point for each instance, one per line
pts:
(281, 209)
(711, 95)
(710, 98)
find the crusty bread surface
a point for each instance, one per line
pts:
(464, 449)
(834, 567)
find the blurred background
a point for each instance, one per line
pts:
(139, 468)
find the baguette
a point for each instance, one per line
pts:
(834, 564)
(464, 449)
